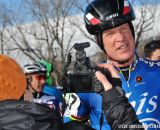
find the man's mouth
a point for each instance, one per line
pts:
(40, 87)
(123, 47)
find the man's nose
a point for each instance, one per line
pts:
(119, 36)
(43, 81)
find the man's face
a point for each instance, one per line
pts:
(155, 55)
(119, 43)
(38, 82)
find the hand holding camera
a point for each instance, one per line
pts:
(108, 83)
(79, 76)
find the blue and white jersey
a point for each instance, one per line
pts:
(52, 97)
(142, 90)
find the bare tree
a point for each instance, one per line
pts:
(44, 29)
(3, 23)
(146, 19)
(81, 5)
(47, 36)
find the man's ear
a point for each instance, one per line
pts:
(29, 79)
(98, 38)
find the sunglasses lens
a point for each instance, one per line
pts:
(40, 77)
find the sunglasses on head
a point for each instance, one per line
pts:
(153, 44)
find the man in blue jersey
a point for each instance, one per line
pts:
(110, 22)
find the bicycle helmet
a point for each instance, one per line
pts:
(35, 68)
(101, 15)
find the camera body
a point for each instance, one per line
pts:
(79, 77)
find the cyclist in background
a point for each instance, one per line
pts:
(36, 77)
(36, 74)
(51, 90)
(152, 50)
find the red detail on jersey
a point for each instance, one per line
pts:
(138, 79)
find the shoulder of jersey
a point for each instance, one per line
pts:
(150, 65)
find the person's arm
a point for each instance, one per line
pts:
(118, 111)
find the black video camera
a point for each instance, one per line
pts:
(80, 76)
